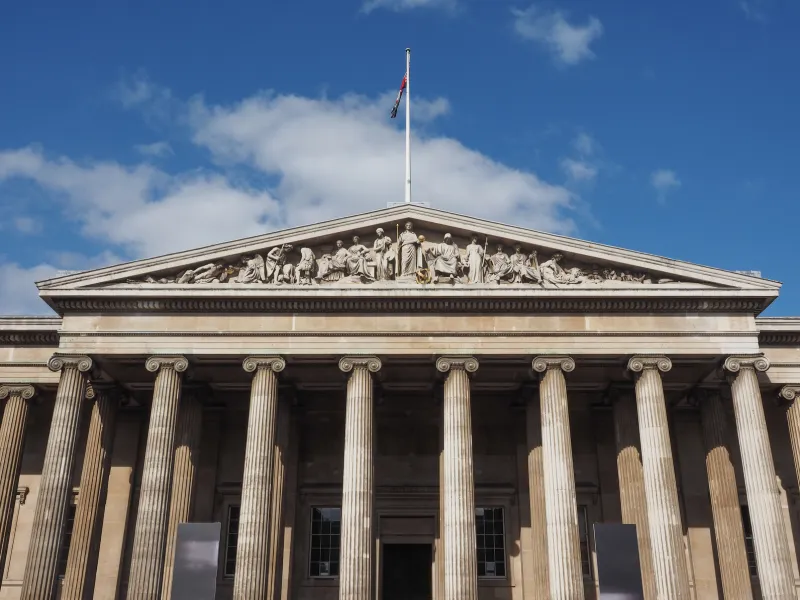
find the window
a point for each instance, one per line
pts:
(66, 538)
(490, 530)
(586, 549)
(749, 547)
(326, 529)
(231, 540)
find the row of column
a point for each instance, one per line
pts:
(648, 489)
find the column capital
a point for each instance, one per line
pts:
(788, 392)
(156, 363)
(25, 391)
(640, 362)
(733, 364)
(544, 363)
(252, 364)
(371, 363)
(63, 361)
(95, 389)
(452, 363)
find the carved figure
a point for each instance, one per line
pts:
(524, 270)
(357, 259)
(253, 270)
(500, 268)
(407, 244)
(384, 256)
(552, 272)
(209, 273)
(305, 269)
(475, 261)
(273, 263)
(332, 267)
(444, 258)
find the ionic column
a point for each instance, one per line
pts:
(663, 511)
(632, 496)
(150, 537)
(184, 471)
(563, 536)
(724, 494)
(85, 543)
(773, 559)
(283, 425)
(460, 554)
(533, 417)
(12, 442)
(358, 484)
(252, 558)
(55, 484)
(790, 394)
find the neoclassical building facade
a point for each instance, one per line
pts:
(407, 403)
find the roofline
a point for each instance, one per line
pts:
(240, 246)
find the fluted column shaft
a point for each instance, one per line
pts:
(252, 557)
(724, 494)
(773, 559)
(184, 472)
(358, 484)
(563, 535)
(533, 417)
(632, 496)
(460, 566)
(150, 537)
(790, 394)
(12, 442)
(276, 511)
(85, 542)
(663, 511)
(55, 484)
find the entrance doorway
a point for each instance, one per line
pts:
(407, 572)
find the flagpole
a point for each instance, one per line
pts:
(408, 125)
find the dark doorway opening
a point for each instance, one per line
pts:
(407, 571)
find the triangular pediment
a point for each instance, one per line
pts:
(325, 256)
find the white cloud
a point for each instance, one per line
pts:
(142, 209)
(27, 225)
(18, 294)
(585, 144)
(754, 10)
(578, 170)
(402, 5)
(664, 181)
(155, 150)
(345, 156)
(569, 43)
(323, 158)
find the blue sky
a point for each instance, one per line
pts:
(134, 129)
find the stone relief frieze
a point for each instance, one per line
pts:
(411, 259)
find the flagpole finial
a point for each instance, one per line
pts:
(408, 49)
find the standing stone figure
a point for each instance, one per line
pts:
(306, 267)
(475, 261)
(273, 263)
(384, 256)
(445, 258)
(407, 248)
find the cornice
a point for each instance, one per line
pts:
(29, 331)
(778, 331)
(449, 304)
(408, 334)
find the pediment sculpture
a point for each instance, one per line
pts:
(411, 259)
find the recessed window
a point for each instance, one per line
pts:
(586, 549)
(66, 539)
(490, 529)
(749, 546)
(231, 540)
(326, 534)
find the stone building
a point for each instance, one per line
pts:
(443, 416)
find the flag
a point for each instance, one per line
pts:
(399, 95)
